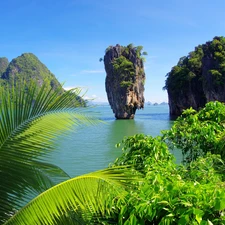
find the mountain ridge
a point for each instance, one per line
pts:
(26, 67)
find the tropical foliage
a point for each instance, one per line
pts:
(29, 68)
(124, 65)
(170, 194)
(197, 78)
(190, 193)
(31, 119)
(28, 129)
(195, 66)
(143, 186)
(125, 70)
(3, 65)
(197, 133)
(87, 199)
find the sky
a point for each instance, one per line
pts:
(69, 36)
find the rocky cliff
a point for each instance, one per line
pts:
(197, 78)
(125, 79)
(28, 67)
(3, 65)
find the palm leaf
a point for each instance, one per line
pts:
(78, 200)
(30, 121)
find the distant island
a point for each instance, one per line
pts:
(156, 103)
(107, 104)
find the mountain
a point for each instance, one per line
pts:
(198, 77)
(3, 65)
(26, 67)
(163, 103)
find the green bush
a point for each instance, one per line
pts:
(197, 133)
(125, 83)
(170, 194)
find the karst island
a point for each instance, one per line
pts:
(197, 78)
(125, 79)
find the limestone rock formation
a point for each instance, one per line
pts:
(28, 67)
(125, 79)
(197, 78)
(3, 65)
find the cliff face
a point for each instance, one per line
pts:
(28, 67)
(3, 65)
(124, 80)
(198, 78)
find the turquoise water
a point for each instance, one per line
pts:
(90, 148)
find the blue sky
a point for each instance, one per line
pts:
(69, 36)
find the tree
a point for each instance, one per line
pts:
(28, 128)
(144, 53)
(169, 193)
(85, 199)
(197, 133)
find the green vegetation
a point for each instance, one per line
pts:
(126, 70)
(191, 193)
(28, 131)
(143, 186)
(80, 200)
(3, 65)
(126, 50)
(170, 194)
(206, 60)
(124, 65)
(125, 84)
(197, 133)
(28, 67)
(23, 167)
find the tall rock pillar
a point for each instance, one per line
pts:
(125, 78)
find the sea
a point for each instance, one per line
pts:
(88, 148)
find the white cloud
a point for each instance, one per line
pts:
(71, 87)
(92, 71)
(95, 98)
(68, 88)
(87, 98)
(92, 97)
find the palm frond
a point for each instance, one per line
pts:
(77, 200)
(30, 121)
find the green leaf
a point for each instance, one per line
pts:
(133, 220)
(198, 214)
(220, 203)
(28, 130)
(183, 220)
(86, 196)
